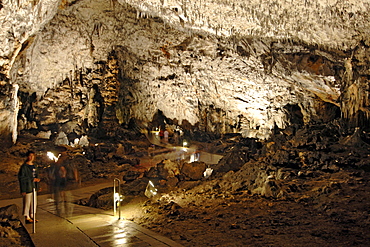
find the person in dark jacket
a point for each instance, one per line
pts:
(28, 177)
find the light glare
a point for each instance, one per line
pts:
(52, 156)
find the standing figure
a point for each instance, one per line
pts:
(161, 134)
(165, 136)
(28, 177)
(64, 176)
(176, 136)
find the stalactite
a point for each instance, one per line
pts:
(98, 28)
(113, 3)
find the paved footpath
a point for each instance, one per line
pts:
(87, 226)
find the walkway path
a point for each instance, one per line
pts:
(94, 227)
(87, 226)
(177, 152)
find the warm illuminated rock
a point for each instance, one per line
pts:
(222, 68)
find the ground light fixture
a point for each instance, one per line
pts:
(208, 172)
(117, 197)
(184, 146)
(150, 190)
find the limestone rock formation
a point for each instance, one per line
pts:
(92, 67)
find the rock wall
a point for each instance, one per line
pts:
(222, 67)
(327, 23)
(20, 20)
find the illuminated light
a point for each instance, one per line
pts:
(184, 144)
(96, 144)
(118, 230)
(208, 172)
(117, 197)
(118, 242)
(194, 156)
(120, 235)
(52, 156)
(150, 190)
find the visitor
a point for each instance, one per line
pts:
(176, 136)
(165, 136)
(28, 177)
(161, 134)
(64, 176)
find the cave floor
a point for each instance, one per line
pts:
(86, 226)
(334, 211)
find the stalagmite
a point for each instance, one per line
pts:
(15, 110)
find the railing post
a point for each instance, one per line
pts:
(117, 197)
(34, 209)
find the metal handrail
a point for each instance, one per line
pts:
(117, 197)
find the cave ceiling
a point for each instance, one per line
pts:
(219, 65)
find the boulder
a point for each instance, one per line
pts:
(194, 170)
(9, 212)
(44, 134)
(61, 139)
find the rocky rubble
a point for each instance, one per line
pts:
(267, 203)
(12, 232)
(305, 186)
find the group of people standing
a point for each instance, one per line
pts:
(60, 175)
(164, 135)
